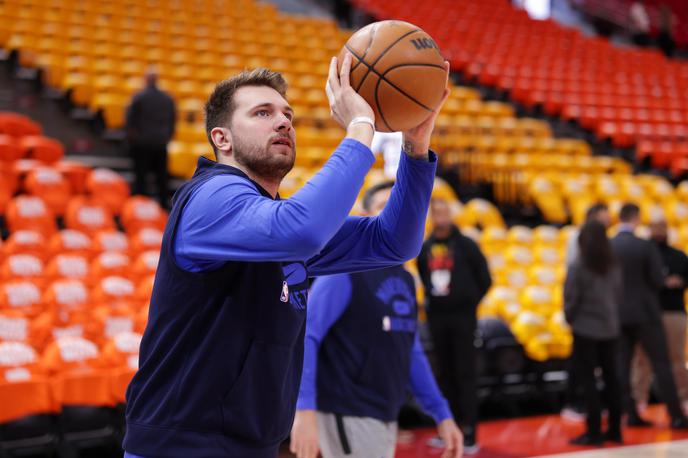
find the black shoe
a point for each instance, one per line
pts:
(613, 436)
(587, 439)
(679, 423)
(636, 421)
(470, 445)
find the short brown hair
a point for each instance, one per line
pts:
(220, 105)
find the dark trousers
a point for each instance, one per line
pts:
(588, 354)
(150, 159)
(653, 340)
(453, 340)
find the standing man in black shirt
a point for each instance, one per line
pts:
(671, 300)
(151, 117)
(455, 277)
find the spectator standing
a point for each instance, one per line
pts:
(455, 277)
(671, 300)
(151, 117)
(592, 293)
(641, 267)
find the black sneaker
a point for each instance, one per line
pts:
(613, 436)
(680, 423)
(588, 439)
(636, 421)
(470, 446)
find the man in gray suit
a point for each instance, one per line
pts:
(640, 316)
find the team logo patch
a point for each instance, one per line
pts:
(284, 297)
(295, 285)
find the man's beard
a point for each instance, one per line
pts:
(261, 161)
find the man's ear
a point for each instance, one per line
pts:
(222, 139)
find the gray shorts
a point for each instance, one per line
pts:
(355, 437)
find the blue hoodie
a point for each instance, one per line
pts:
(222, 354)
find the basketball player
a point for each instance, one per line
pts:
(222, 353)
(362, 352)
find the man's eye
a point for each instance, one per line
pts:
(263, 113)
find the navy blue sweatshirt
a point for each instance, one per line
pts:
(222, 353)
(362, 352)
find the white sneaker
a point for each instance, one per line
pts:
(435, 442)
(571, 414)
(471, 449)
(642, 407)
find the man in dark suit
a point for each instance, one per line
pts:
(151, 119)
(640, 316)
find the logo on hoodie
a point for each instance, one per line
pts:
(295, 285)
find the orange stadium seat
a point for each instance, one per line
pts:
(139, 212)
(68, 266)
(15, 326)
(78, 373)
(111, 240)
(42, 149)
(111, 263)
(87, 214)
(9, 149)
(113, 289)
(108, 187)
(115, 318)
(144, 289)
(69, 241)
(26, 242)
(76, 173)
(51, 186)
(146, 263)
(31, 213)
(66, 294)
(21, 295)
(24, 386)
(18, 125)
(145, 239)
(121, 353)
(22, 266)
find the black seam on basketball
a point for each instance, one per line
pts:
(401, 90)
(382, 54)
(379, 109)
(371, 35)
(382, 77)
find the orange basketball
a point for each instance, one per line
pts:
(398, 69)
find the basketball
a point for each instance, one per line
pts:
(398, 69)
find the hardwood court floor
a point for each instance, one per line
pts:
(549, 435)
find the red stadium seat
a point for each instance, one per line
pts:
(42, 149)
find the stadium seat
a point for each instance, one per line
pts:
(25, 242)
(111, 240)
(69, 241)
(108, 187)
(21, 295)
(139, 212)
(42, 149)
(121, 353)
(30, 213)
(67, 266)
(111, 263)
(51, 186)
(87, 214)
(113, 289)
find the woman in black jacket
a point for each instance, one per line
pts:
(591, 300)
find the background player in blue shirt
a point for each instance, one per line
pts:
(362, 352)
(222, 353)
